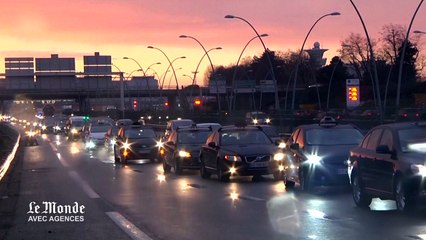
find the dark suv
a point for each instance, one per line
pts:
(390, 164)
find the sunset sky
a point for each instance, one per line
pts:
(126, 27)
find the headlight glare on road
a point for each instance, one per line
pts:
(232, 158)
(314, 159)
(279, 156)
(184, 154)
(419, 169)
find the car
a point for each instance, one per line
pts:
(59, 126)
(74, 126)
(96, 134)
(257, 117)
(124, 122)
(182, 148)
(239, 151)
(317, 154)
(409, 114)
(30, 138)
(389, 163)
(172, 125)
(135, 142)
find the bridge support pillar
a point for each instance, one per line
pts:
(84, 105)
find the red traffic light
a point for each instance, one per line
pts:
(166, 104)
(135, 104)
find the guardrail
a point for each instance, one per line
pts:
(4, 167)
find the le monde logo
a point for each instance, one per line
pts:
(54, 212)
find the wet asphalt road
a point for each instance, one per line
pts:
(132, 201)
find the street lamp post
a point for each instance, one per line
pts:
(277, 102)
(236, 66)
(372, 62)
(121, 74)
(300, 56)
(329, 82)
(212, 67)
(149, 67)
(170, 66)
(401, 58)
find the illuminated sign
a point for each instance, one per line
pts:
(352, 93)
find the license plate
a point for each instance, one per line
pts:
(143, 151)
(258, 164)
(342, 171)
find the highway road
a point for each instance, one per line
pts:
(137, 201)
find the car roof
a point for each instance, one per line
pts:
(233, 127)
(404, 125)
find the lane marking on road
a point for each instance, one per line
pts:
(52, 145)
(251, 198)
(127, 226)
(86, 188)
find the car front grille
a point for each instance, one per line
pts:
(257, 158)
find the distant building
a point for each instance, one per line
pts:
(316, 56)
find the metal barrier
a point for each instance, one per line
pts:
(9, 159)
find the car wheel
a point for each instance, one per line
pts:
(177, 167)
(361, 199)
(203, 171)
(166, 167)
(404, 201)
(305, 184)
(223, 177)
(288, 184)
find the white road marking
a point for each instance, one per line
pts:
(87, 189)
(128, 227)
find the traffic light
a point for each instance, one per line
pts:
(166, 104)
(135, 104)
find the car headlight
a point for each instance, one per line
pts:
(232, 158)
(90, 144)
(74, 131)
(31, 133)
(279, 156)
(419, 169)
(314, 159)
(159, 144)
(282, 145)
(255, 121)
(184, 154)
(268, 120)
(126, 145)
(43, 127)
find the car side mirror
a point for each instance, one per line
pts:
(383, 149)
(211, 144)
(294, 146)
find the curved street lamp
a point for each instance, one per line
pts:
(170, 63)
(167, 70)
(300, 55)
(211, 65)
(134, 60)
(372, 62)
(149, 67)
(401, 58)
(238, 62)
(121, 74)
(277, 102)
(419, 32)
(198, 65)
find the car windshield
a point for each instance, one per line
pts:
(270, 131)
(333, 136)
(238, 137)
(192, 137)
(102, 128)
(78, 123)
(412, 140)
(140, 133)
